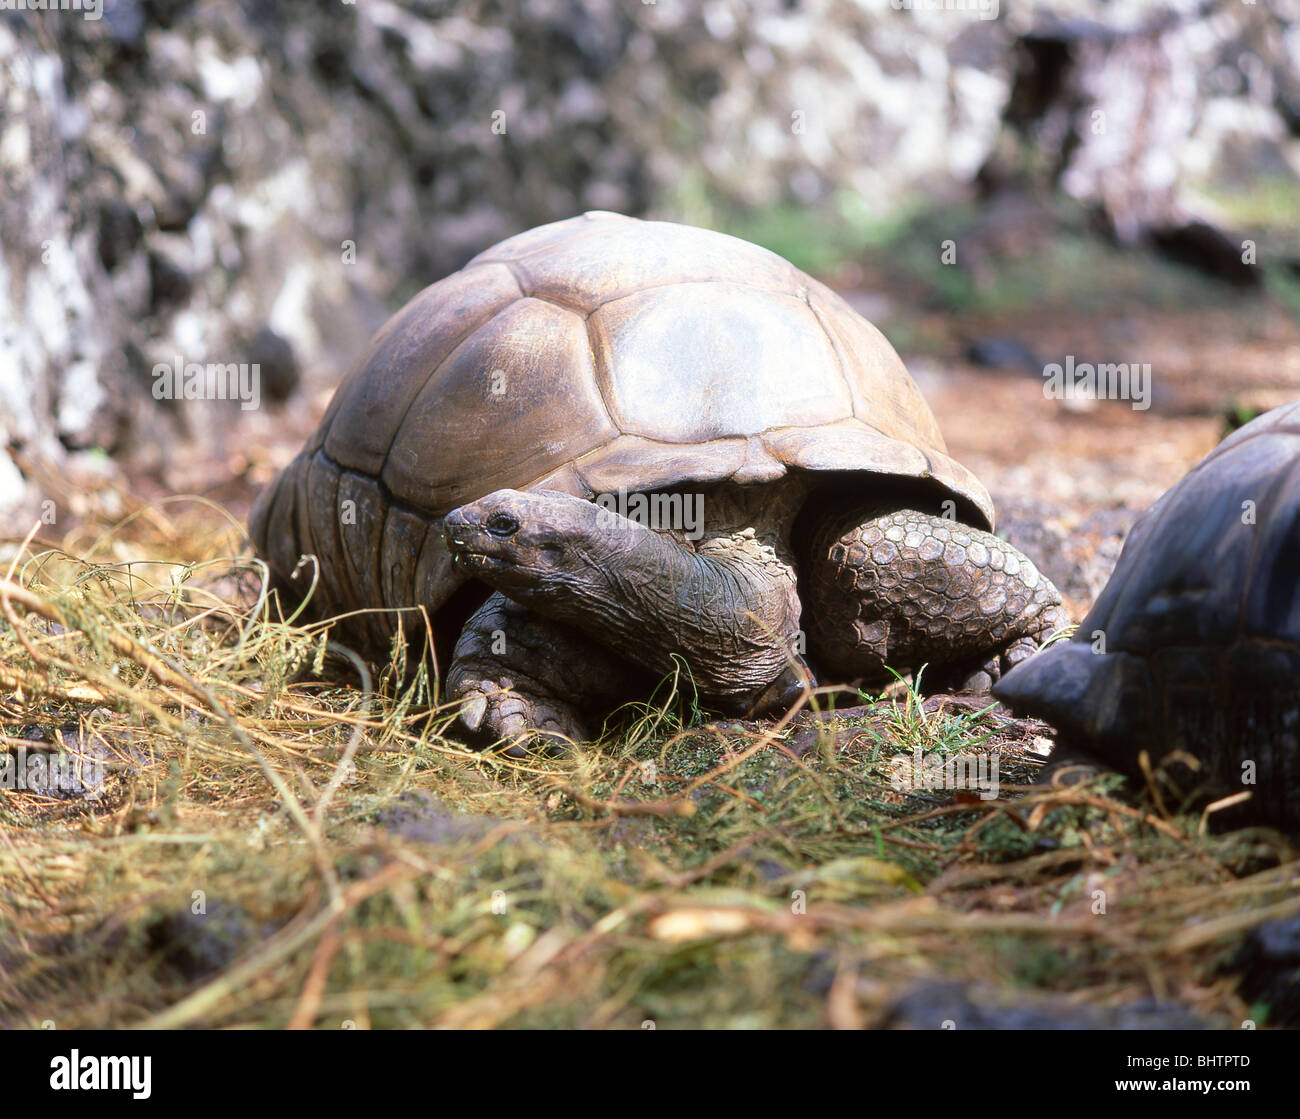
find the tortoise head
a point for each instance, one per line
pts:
(530, 542)
(644, 594)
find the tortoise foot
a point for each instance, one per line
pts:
(518, 677)
(978, 677)
(507, 712)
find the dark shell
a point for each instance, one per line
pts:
(1201, 628)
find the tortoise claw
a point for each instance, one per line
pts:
(471, 715)
(494, 714)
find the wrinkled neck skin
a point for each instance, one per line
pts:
(727, 604)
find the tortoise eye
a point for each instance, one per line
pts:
(502, 525)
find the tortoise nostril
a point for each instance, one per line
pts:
(502, 525)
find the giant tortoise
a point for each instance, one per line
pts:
(607, 449)
(1192, 649)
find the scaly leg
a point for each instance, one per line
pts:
(903, 589)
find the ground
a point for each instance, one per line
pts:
(270, 847)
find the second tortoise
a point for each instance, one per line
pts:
(1191, 652)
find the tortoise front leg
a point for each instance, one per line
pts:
(524, 679)
(898, 588)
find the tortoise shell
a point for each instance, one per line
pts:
(591, 355)
(1194, 643)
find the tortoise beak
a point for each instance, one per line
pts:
(468, 560)
(507, 538)
(460, 534)
(473, 546)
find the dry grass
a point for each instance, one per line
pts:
(358, 867)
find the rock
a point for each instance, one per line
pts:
(120, 230)
(1200, 245)
(170, 281)
(818, 974)
(929, 1005)
(808, 734)
(1002, 352)
(125, 21)
(273, 354)
(199, 945)
(423, 818)
(1269, 962)
(61, 763)
(1288, 108)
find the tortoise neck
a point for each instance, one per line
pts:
(769, 510)
(721, 596)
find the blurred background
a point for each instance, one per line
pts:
(996, 188)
